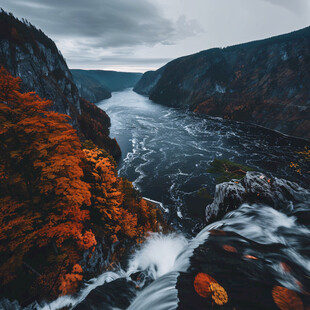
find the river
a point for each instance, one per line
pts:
(166, 152)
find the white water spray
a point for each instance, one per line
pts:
(156, 257)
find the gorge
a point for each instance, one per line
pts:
(166, 152)
(241, 241)
(186, 190)
(262, 82)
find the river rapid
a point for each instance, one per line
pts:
(166, 152)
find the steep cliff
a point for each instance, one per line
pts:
(263, 82)
(28, 53)
(96, 85)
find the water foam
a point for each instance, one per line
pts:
(158, 254)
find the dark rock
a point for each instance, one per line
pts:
(94, 261)
(35, 58)
(6, 304)
(262, 83)
(256, 187)
(28, 53)
(246, 270)
(116, 294)
(89, 88)
(148, 82)
(94, 125)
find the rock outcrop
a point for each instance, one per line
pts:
(96, 85)
(247, 274)
(28, 53)
(258, 188)
(263, 82)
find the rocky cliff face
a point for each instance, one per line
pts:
(263, 83)
(96, 85)
(28, 53)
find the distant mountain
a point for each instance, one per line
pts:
(27, 52)
(263, 82)
(89, 88)
(96, 85)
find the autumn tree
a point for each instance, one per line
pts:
(56, 196)
(42, 196)
(116, 206)
(305, 158)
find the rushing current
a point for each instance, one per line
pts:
(162, 258)
(166, 153)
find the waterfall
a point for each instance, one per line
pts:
(160, 295)
(161, 258)
(159, 255)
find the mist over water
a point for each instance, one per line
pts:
(166, 151)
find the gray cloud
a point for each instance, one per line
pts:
(138, 35)
(296, 6)
(112, 23)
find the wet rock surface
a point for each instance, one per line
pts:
(258, 188)
(246, 273)
(117, 294)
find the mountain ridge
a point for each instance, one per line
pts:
(262, 82)
(27, 52)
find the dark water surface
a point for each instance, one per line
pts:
(166, 151)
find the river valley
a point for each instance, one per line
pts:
(166, 153)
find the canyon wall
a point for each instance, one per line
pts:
(264, 83)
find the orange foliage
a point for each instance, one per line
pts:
(286, 299)
(202, 284)
(41, 192)
(55, 197)
(250, 257)
(115, 205)
(229, 248)
(219, 294)
(70, 282)
(205, 286)
(305, 157)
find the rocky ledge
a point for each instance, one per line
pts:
(257, 188)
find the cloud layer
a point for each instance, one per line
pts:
(296, 6)
(138, 35)
(105, 23)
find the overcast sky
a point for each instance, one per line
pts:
(139, 35)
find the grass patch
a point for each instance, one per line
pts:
(227, 170)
